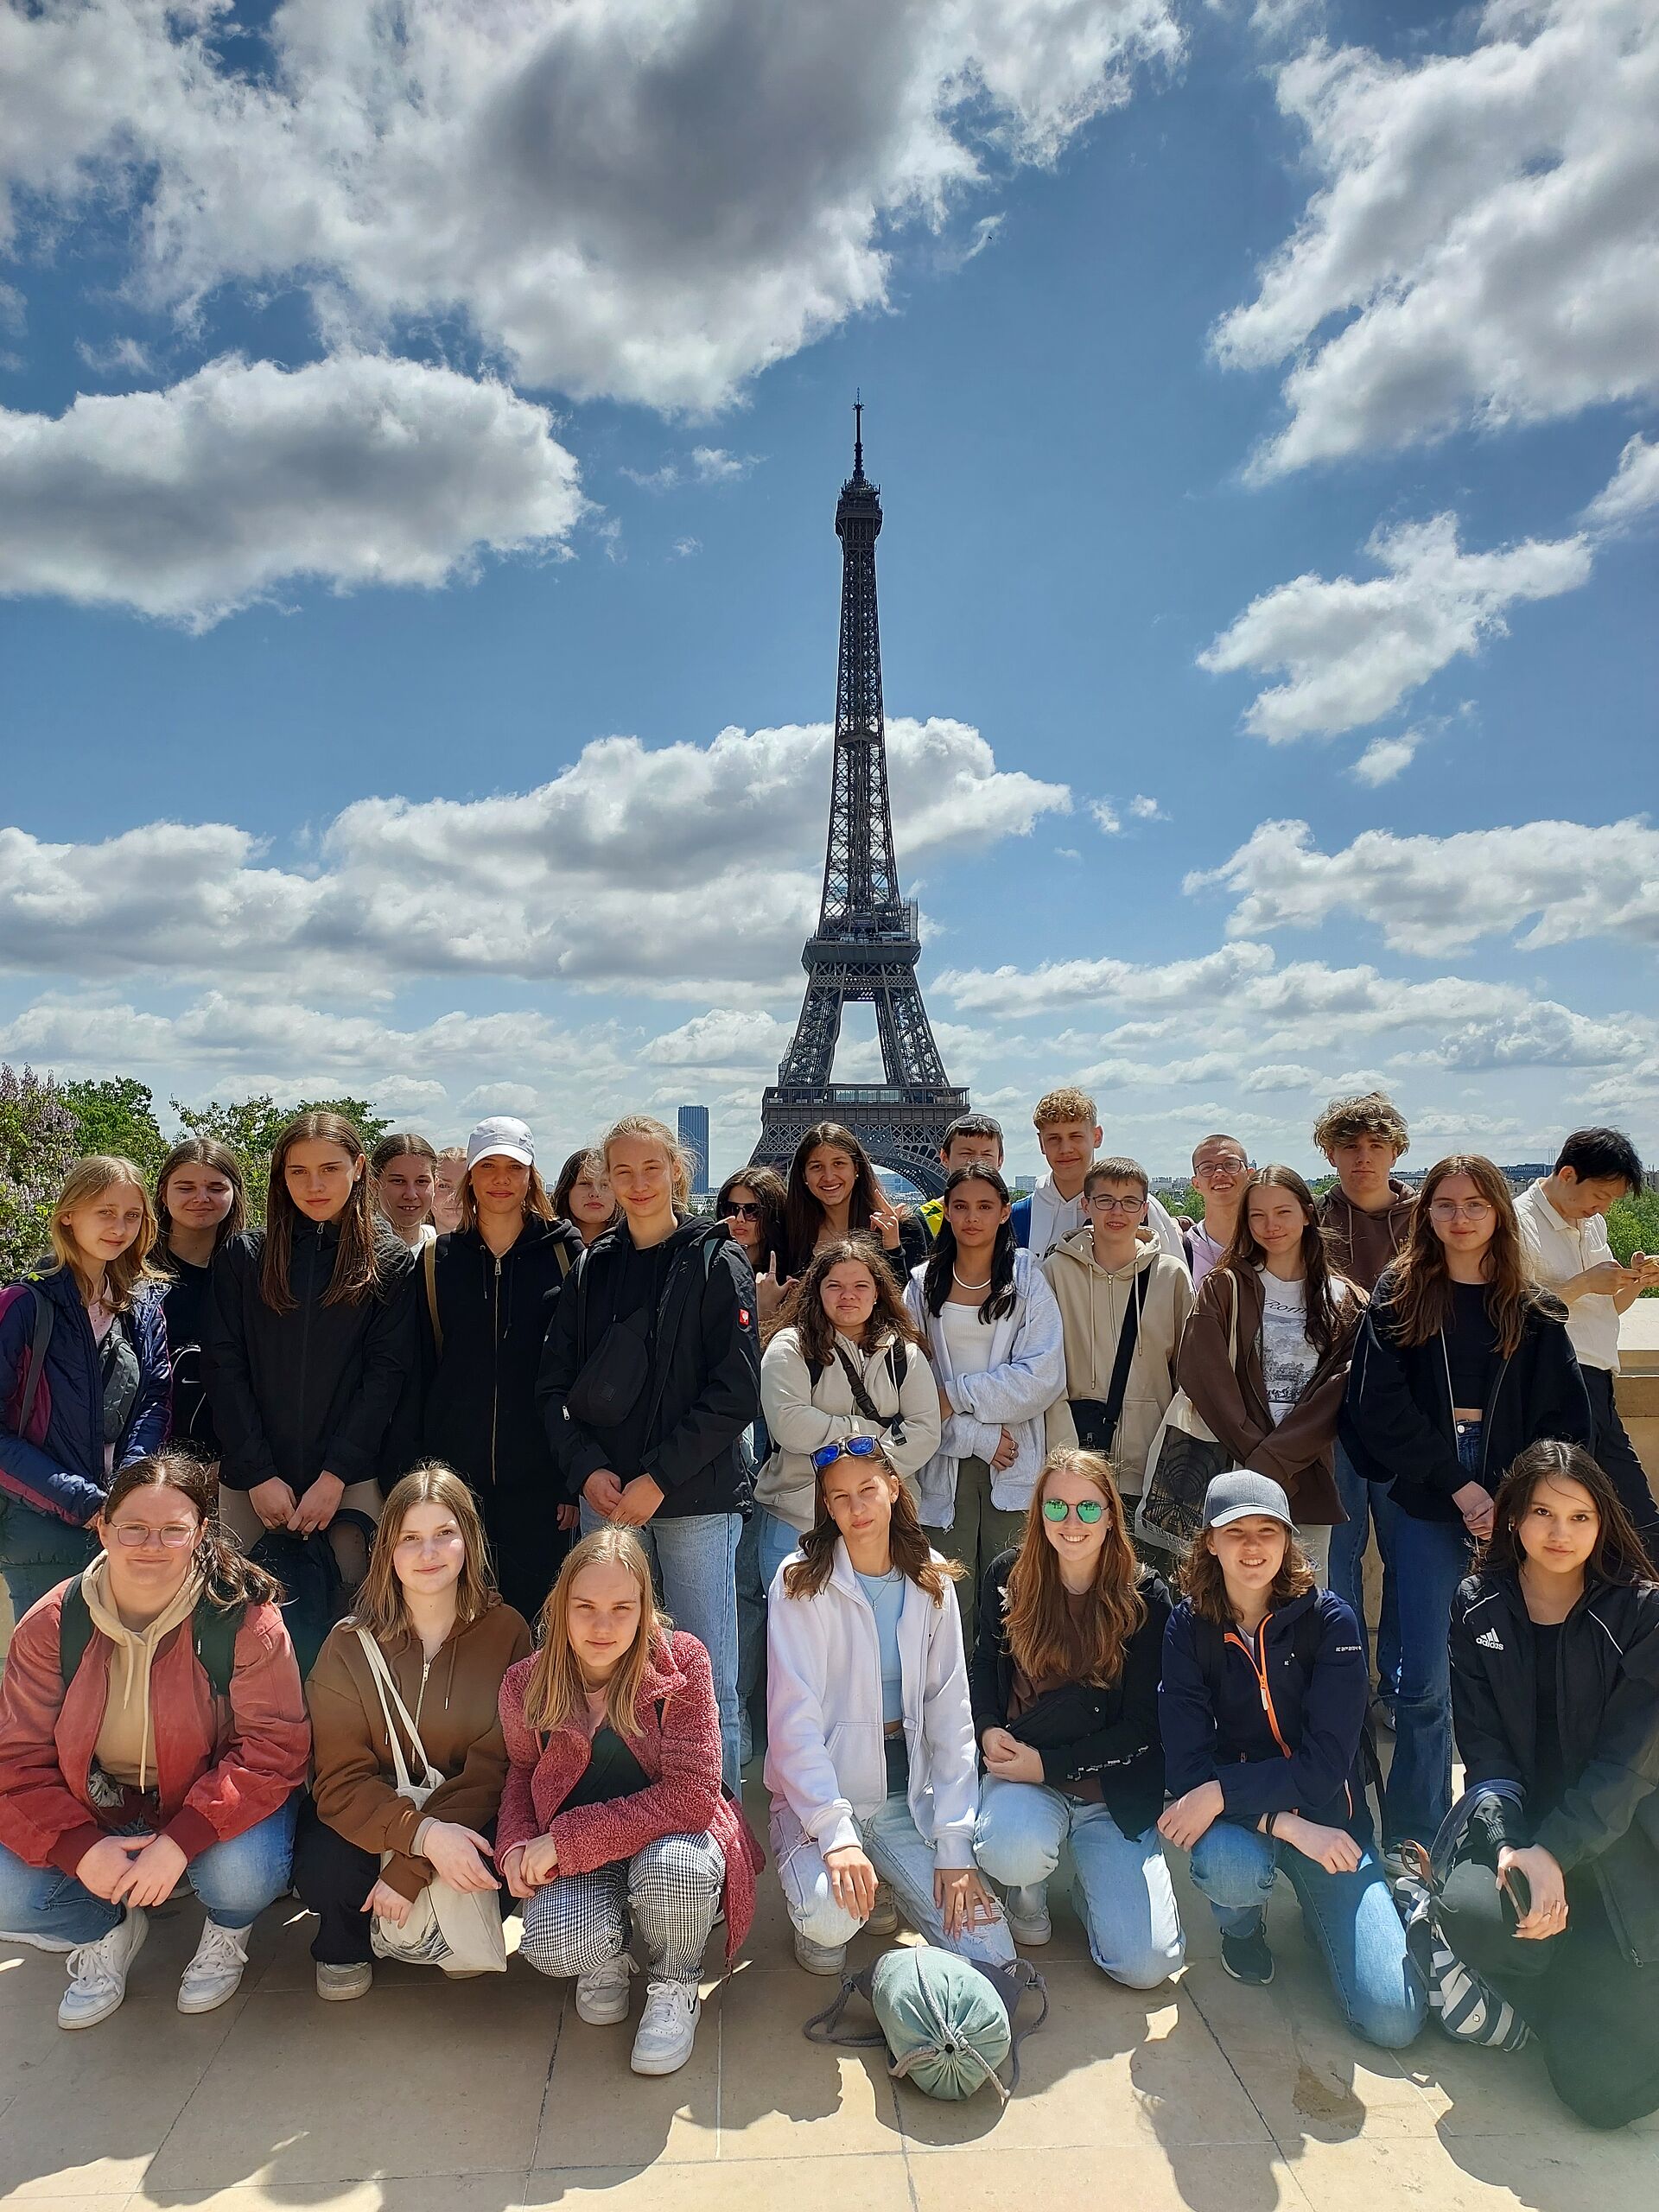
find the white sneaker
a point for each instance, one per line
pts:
(338, 1984)
(97, 1972)
(1027, 1913)
(36, 1942)
(215, 1975)
(666, 2032)
(819, 1958)
(884, 1914)
(602, 1993)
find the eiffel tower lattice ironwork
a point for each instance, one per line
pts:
(865, 946)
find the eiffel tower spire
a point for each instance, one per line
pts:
(866, 945)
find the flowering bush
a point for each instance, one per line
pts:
(39, 1142)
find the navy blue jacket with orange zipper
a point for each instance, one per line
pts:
(1276, 1719)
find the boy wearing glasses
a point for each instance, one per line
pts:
(1220, 1169)
(1124, 1303)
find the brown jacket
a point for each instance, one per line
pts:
(1233, 1398)
(455, 1703)
(1093, 1305)
(1362, 1244)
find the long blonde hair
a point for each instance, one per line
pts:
(379, 1605)
(89, 1179)
(554, 1693)
(1043, 1637)
(658, 1133)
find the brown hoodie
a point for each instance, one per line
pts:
(125, 1748)
(1093, 1301)
(1362, 1244)
(453, 1699)
(1232, 1397)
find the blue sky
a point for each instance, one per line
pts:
(415, 457)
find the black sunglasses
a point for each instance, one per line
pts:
(744, 1210)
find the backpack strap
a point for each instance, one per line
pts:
(1128, 1337)
(562, 1259)
(429, 1269)
(44, 1318)
(213, 1631)
(825, 2026)
(74, 1631)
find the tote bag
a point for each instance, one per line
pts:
(457, 1929)
(1185, 1458)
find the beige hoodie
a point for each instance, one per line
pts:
(1093, 1301)
(124, 1736)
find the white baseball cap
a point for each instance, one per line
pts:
(501, 1138)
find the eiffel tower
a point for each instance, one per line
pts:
(864, 946)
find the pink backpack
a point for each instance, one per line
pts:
(30, 1414)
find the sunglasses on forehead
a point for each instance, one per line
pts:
(850, 1447)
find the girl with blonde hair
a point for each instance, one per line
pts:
(83, 1373)
(612, 1819)
(1065, 1684)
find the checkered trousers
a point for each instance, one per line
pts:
(669, 1892)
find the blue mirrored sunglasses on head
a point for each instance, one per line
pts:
(850, 1447)
(1089, 1511)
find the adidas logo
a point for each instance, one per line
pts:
(1490, 1640)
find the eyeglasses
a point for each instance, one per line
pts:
(850, 1447)
(743, 1210)
(1469, 1209)
(1102, 1204)
(175, 1537)
(1206, 1168)
(1088, 1509)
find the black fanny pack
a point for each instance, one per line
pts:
(611, 1377)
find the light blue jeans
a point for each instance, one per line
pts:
(904, 1862)
(1350, 1918)
(774, 1541)
(695, 1562)
(235, 1880)
(1368, 1505)
(1123, 1893)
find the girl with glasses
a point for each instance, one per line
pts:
(1065, 1684)
(84, 1375)
(870, 1756)
(1461, 1364)
(152, 1726)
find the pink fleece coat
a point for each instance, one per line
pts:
(680, 1753)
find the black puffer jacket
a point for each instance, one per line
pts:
(1109, 1735)
(704, 1386)
(317, 1388)
(481, 1414)
(1397, 1422)
(1607, 1708)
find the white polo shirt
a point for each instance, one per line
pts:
(1558, 1250)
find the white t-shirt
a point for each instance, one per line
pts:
(1558, 1248)
(1206, 1252)
(1287, 1358)
(966, 1339)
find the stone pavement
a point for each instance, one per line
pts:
(426, 2097)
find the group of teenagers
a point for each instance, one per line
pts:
(608, 1488)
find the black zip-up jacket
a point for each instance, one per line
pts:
(317, 1388)
(1607, 1706)
(186, 1301)
(1396, 1418)
(704, 1387)
(481, 1414)
(1083, 1731)
(1276, 1718)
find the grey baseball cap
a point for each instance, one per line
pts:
(501, 1138)
(1236, 1496)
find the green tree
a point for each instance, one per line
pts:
(39, 1143)
(117, 1115)
(250, 1128)
(1633, 1226)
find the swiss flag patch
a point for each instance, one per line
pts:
(743, 1316)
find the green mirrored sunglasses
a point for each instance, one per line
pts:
(1088, 1511)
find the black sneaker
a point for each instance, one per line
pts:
(1247, 1958)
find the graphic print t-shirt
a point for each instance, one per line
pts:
(1287, 1358)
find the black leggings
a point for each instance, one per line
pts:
(1595, 2014)
(333, 1878)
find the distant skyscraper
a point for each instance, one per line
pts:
(694, 1135)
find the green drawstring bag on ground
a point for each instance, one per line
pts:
(945, 2021)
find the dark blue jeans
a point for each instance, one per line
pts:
(1430, 1559)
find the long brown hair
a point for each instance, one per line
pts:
(1043, 1636)
(906, 1540)
(227, 1578)
(803, 1215)
(357, 1273)
(89, 1178)
(553, 1690)
(771, 1194)
(1204, 1586)
(203, 1152)
(579, 1164)
(1618, 1555)
(803, 1309)
(1420, 1289)
(380, 1606)
(1325, 1324)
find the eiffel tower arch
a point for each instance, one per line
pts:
(866, 945)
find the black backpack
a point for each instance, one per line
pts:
(213, 1631)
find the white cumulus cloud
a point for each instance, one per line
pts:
(1631, 491)
(188, 502)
